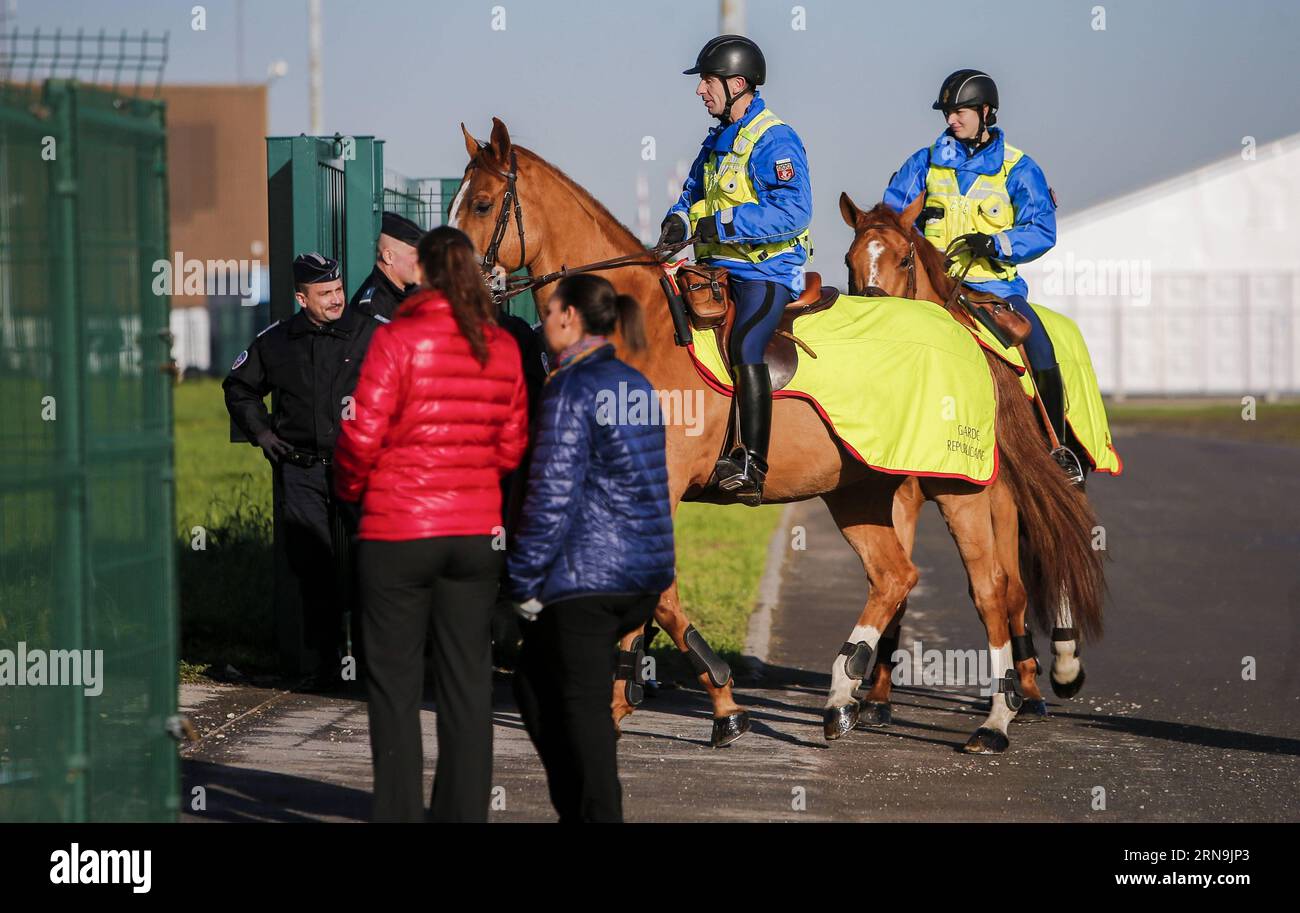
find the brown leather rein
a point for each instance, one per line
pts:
(517, 285)
(954, 249)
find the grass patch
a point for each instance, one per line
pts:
(721, 553)
(1273, 423)
(225, 588)
(223, 496)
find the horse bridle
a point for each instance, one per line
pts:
(875, 291)
(517, 285)
(953, 249)
(510, 196)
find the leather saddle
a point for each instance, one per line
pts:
(710, 308)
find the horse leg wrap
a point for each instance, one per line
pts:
(1064, 634)
(857, 659)
(630, 665)
(1022, 648)
(1009, 686)
(704, 661)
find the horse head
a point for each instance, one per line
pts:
(885, 255)
(492, 201)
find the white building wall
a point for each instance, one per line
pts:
(1191, 286)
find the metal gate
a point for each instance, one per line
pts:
(88, 603)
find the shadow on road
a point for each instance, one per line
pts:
(244, 794)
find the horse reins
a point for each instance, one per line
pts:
(517, 285)
(954, 249)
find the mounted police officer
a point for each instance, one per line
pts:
(310, 362)
(396, 271)
(748, 203)
(981, 189)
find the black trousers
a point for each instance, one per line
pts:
(448, 584)
(563, 685)
(305, 507)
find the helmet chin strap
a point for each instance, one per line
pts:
(975, 142)
(725, 116)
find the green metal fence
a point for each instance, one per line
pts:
(86, 519)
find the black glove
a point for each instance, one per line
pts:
(272, 445)
(706, 230)
(672, 230)
(982, 246)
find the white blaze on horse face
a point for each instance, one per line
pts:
(455, 204)
(841, 685)
(874, 250)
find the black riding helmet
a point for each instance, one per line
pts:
(970, 89)
(727, 56)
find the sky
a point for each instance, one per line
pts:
(1165, 86)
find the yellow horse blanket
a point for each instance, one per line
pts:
(904, 387)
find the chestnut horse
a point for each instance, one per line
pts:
(889, 256)
(553, 222)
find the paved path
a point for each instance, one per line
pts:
(1203, 538)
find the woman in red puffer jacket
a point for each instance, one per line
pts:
(441, 414)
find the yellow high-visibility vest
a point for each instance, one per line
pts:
(985, 208)
(727, 184)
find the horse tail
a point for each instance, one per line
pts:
(1058, 560)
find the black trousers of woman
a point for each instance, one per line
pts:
(563, 684)
(448, 584)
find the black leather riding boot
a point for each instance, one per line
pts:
(1051, 390)
(745, 468)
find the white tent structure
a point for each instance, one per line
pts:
(1190, 286)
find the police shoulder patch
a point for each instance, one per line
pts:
(784, 170)
(269, 328)
(243, 357)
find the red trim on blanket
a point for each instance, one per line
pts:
(726, 390)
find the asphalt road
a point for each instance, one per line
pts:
(1203, 539)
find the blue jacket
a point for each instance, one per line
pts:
(1034, 233)
(596, 518)
(783, 210)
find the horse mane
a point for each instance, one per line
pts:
(619, 233)
(883, 216)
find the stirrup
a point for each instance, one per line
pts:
(1069, 464)
(742, 473)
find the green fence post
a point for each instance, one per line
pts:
(363, 175)
(70, 578)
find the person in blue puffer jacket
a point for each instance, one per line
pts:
(594, 548)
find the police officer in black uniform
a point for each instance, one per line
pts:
(397, 270)
(310, 362)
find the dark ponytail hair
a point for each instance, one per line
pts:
(451, 266)
(602, 309)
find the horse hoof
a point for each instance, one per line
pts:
(986, 741)
(875, 714)
(729, 728)
(1067, 690)
(838, 721)
(1031, 711)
